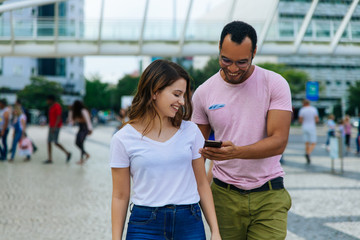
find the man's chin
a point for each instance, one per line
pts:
(235, 80)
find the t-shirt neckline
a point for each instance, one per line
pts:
(154, 141)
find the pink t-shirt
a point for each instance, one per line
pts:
(237, 113)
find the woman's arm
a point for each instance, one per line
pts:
(120, 200)
(206, 198)
(86, 116)
(23, 123)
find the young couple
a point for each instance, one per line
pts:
(162, 151)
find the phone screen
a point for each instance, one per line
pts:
(211, 143)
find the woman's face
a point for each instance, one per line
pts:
(170, 99)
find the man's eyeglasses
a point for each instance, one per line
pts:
(240, 64)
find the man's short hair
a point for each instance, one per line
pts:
(239, 31)
(51, 97)
(306, 102)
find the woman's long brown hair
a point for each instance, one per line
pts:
(157, 76)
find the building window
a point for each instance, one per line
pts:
(348, 83)
(328, 83)
(52, 67)
(338, 83)
(71, 75)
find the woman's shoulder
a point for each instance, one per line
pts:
(188, 125)
(126, 130)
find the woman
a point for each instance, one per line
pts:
(19, 124)
(80, 115)
(158, 148)
(347, 129)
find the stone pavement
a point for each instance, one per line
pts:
(68, 201)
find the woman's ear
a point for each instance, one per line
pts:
(154, 96)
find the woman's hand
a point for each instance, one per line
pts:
(215, 236)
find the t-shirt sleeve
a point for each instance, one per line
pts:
(118, 155)
(280, 94)
(199, 115)
(301, 112)
(198, 143)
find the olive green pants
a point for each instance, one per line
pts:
(253, 216)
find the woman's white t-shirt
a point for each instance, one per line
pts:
(162, 172)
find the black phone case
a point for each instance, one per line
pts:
(210, 143)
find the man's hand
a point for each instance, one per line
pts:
(227, 151)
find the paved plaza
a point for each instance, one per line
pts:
(68, 201)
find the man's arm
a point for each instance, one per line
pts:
(205, 130)
(278, 126)
(301, 119)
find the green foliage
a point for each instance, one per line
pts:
(201, 75)
(34, 95)
(296, 78)
(126, 86)
(97, 94)
(354, 98)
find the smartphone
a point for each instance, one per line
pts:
(211, 143)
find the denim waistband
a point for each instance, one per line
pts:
(169, 206)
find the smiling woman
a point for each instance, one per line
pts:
(159, 149)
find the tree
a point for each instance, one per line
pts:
(97, 94)
(199, 76)
(34, 95)
(354, 99)
(126, 86)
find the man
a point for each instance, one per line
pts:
(55, 123)
(308, 117)
(249, 109)
(5, 115)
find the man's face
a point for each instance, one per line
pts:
(235, 60)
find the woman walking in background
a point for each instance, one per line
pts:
(80, 115)
(19, 124)
(347, 129)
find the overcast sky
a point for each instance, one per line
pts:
(111, 68)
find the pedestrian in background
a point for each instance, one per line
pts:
(55, 123)
(249, 109)
(5, 118)
(347, 130)
(331, 125)
(25, 147)
(81, 116)
(18, 103)
(158, 148)
(19, 124)
(308, 117)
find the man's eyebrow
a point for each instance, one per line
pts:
(244, 59)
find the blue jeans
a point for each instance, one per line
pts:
(17, 137)
(4, 148)
(172, 222)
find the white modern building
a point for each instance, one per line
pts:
(15, 72)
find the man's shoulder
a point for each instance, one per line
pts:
(210, 81)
